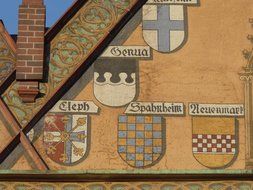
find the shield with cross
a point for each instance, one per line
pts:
(66, 137)
(164, 26)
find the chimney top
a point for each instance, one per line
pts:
(30, 48)
(33, 2)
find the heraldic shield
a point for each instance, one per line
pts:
(66, 138)
(164, 26)
(115, 81)
(214, 141)
(141, 140)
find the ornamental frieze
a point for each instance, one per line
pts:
(68, 50)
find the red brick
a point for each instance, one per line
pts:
(37, 34)
(32, 2)
(21, 51)
(21, 63)
(37, 28)
(40, 11)
(24, 57)
(22, 39)
(40, 22)
(36, 6)
(22, 28)
(25, 45)
(25, 34)
(33, 16)
(38, 70)
(26, 10)
(30, 58)
(25, 22)
(20, 76)
(23, 16)
(35, 51)
(34, 76)
(39, 45)
(24, 69)
(39, 57)
(36, 39)
(33, 63)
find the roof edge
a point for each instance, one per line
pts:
(7, 37)
(85, 65)
(60, 23)
(10, 77)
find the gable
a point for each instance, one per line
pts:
(7, 54)
(168, 99)
(162, 80)
(79, 41)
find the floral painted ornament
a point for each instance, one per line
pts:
(66, 138)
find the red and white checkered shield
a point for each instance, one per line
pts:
(214, 141)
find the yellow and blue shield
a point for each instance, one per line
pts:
(141, 140)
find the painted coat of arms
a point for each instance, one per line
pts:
(141, 140)
(215, 141)
(115, 81)
(164, 26)
(66, 137)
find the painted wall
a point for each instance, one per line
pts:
(204, 70)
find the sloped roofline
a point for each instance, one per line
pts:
(7, 37)
(82, 68)
(65, 18)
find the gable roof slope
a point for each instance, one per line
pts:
(7, 58)
(75, 42)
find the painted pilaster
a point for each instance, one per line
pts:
(247, 76)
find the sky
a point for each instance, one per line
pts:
(9, 12)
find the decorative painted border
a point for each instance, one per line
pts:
(217, 185)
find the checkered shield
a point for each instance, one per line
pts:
(214, 141)
(164, 26)
(141, 140)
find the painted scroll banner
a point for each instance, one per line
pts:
(228, 110)
(142, 132)
(127, 52)
(65, 106)
(155, 108)
(174, 2)
(67, 131)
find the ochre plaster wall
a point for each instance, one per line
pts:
(205, 70)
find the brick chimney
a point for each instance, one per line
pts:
(30, 48)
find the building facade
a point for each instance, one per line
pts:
(128, 95)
